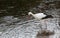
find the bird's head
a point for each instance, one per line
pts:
(30, 13)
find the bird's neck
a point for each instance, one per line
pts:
(32, 14)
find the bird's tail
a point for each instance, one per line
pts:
(48, 16)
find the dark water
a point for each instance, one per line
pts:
(16, 7)
(21, 7)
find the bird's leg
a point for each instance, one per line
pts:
(44, 23)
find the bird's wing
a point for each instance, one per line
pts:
(40, 15)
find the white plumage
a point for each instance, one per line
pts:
(38, 15)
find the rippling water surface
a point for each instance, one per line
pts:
(21, 27)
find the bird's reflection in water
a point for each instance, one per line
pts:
(44, 34)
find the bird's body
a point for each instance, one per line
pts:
(39, 16)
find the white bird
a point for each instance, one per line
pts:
(40, 16)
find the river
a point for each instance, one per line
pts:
(15, 26)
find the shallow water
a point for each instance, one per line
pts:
(30, 28)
